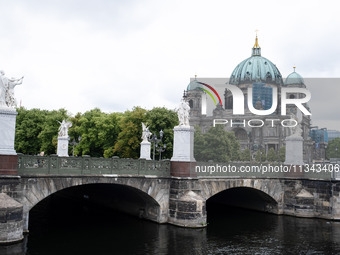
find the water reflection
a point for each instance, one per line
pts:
(230, 231)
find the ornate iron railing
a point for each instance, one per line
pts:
(54, 165)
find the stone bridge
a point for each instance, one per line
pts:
(157, 192)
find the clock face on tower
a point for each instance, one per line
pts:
(64, 146)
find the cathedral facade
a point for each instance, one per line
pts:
(261, 79)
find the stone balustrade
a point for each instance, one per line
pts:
(54, 165)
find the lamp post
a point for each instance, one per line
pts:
(161, 149)
(73, 143)
(155, 142)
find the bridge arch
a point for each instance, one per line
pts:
(153, 193)
(241, 193)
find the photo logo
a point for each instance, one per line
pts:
(209, 93)
(238, 100)
(242, 100)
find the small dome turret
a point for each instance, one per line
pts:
(194, 84)
(294, 78)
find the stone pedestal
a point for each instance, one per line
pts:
(294, 155)
(183, 144)
(62, 150)
(8, 164)
(294, 150)
(183, 161)
(8, 155)
(7, 131)
(11, 220)
(145, 149)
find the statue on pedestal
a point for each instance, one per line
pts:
(63, 129)
(296, 131)
(183, 113)
(146, 133)
(7, 90)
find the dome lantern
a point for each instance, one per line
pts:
(256, 49)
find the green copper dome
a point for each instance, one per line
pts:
(294, 78)
(194, 85)
(256, 69)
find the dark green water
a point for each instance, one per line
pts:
(230, 231)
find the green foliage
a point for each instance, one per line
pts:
(29, 124)
(260, 156)
(271, 156)
(49, 133)
(129, 139)
(98, 132)
(333, 149)
(282, 154)
(102, 134)
(158, 119)
(245, 155)
(37, 130)
(217, 145)
(199, 144)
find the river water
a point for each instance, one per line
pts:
(230, 231)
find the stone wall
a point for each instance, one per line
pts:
(312, 198)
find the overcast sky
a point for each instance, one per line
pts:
(81, 54)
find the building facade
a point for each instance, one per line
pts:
(260, 78)
(332, 134)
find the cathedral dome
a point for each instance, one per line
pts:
(256, 69)
(194, 84)
(294, 78)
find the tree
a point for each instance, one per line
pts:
(129, 138)
(260, 156)
(99, 132)
(49, 133)
(245, 155)
(219, 146)
(199, 144)
(271, 156)
(29, 124)
(160, 118)
(333, 149)
(282, 154)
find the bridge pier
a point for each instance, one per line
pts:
(11, 211)
(186, 206)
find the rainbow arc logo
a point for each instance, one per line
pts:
(209, 93)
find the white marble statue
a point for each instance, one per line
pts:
(183, 113)
(63, 129)
(3, 91)
(146, 133)
(7, 90)
(296, 131)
